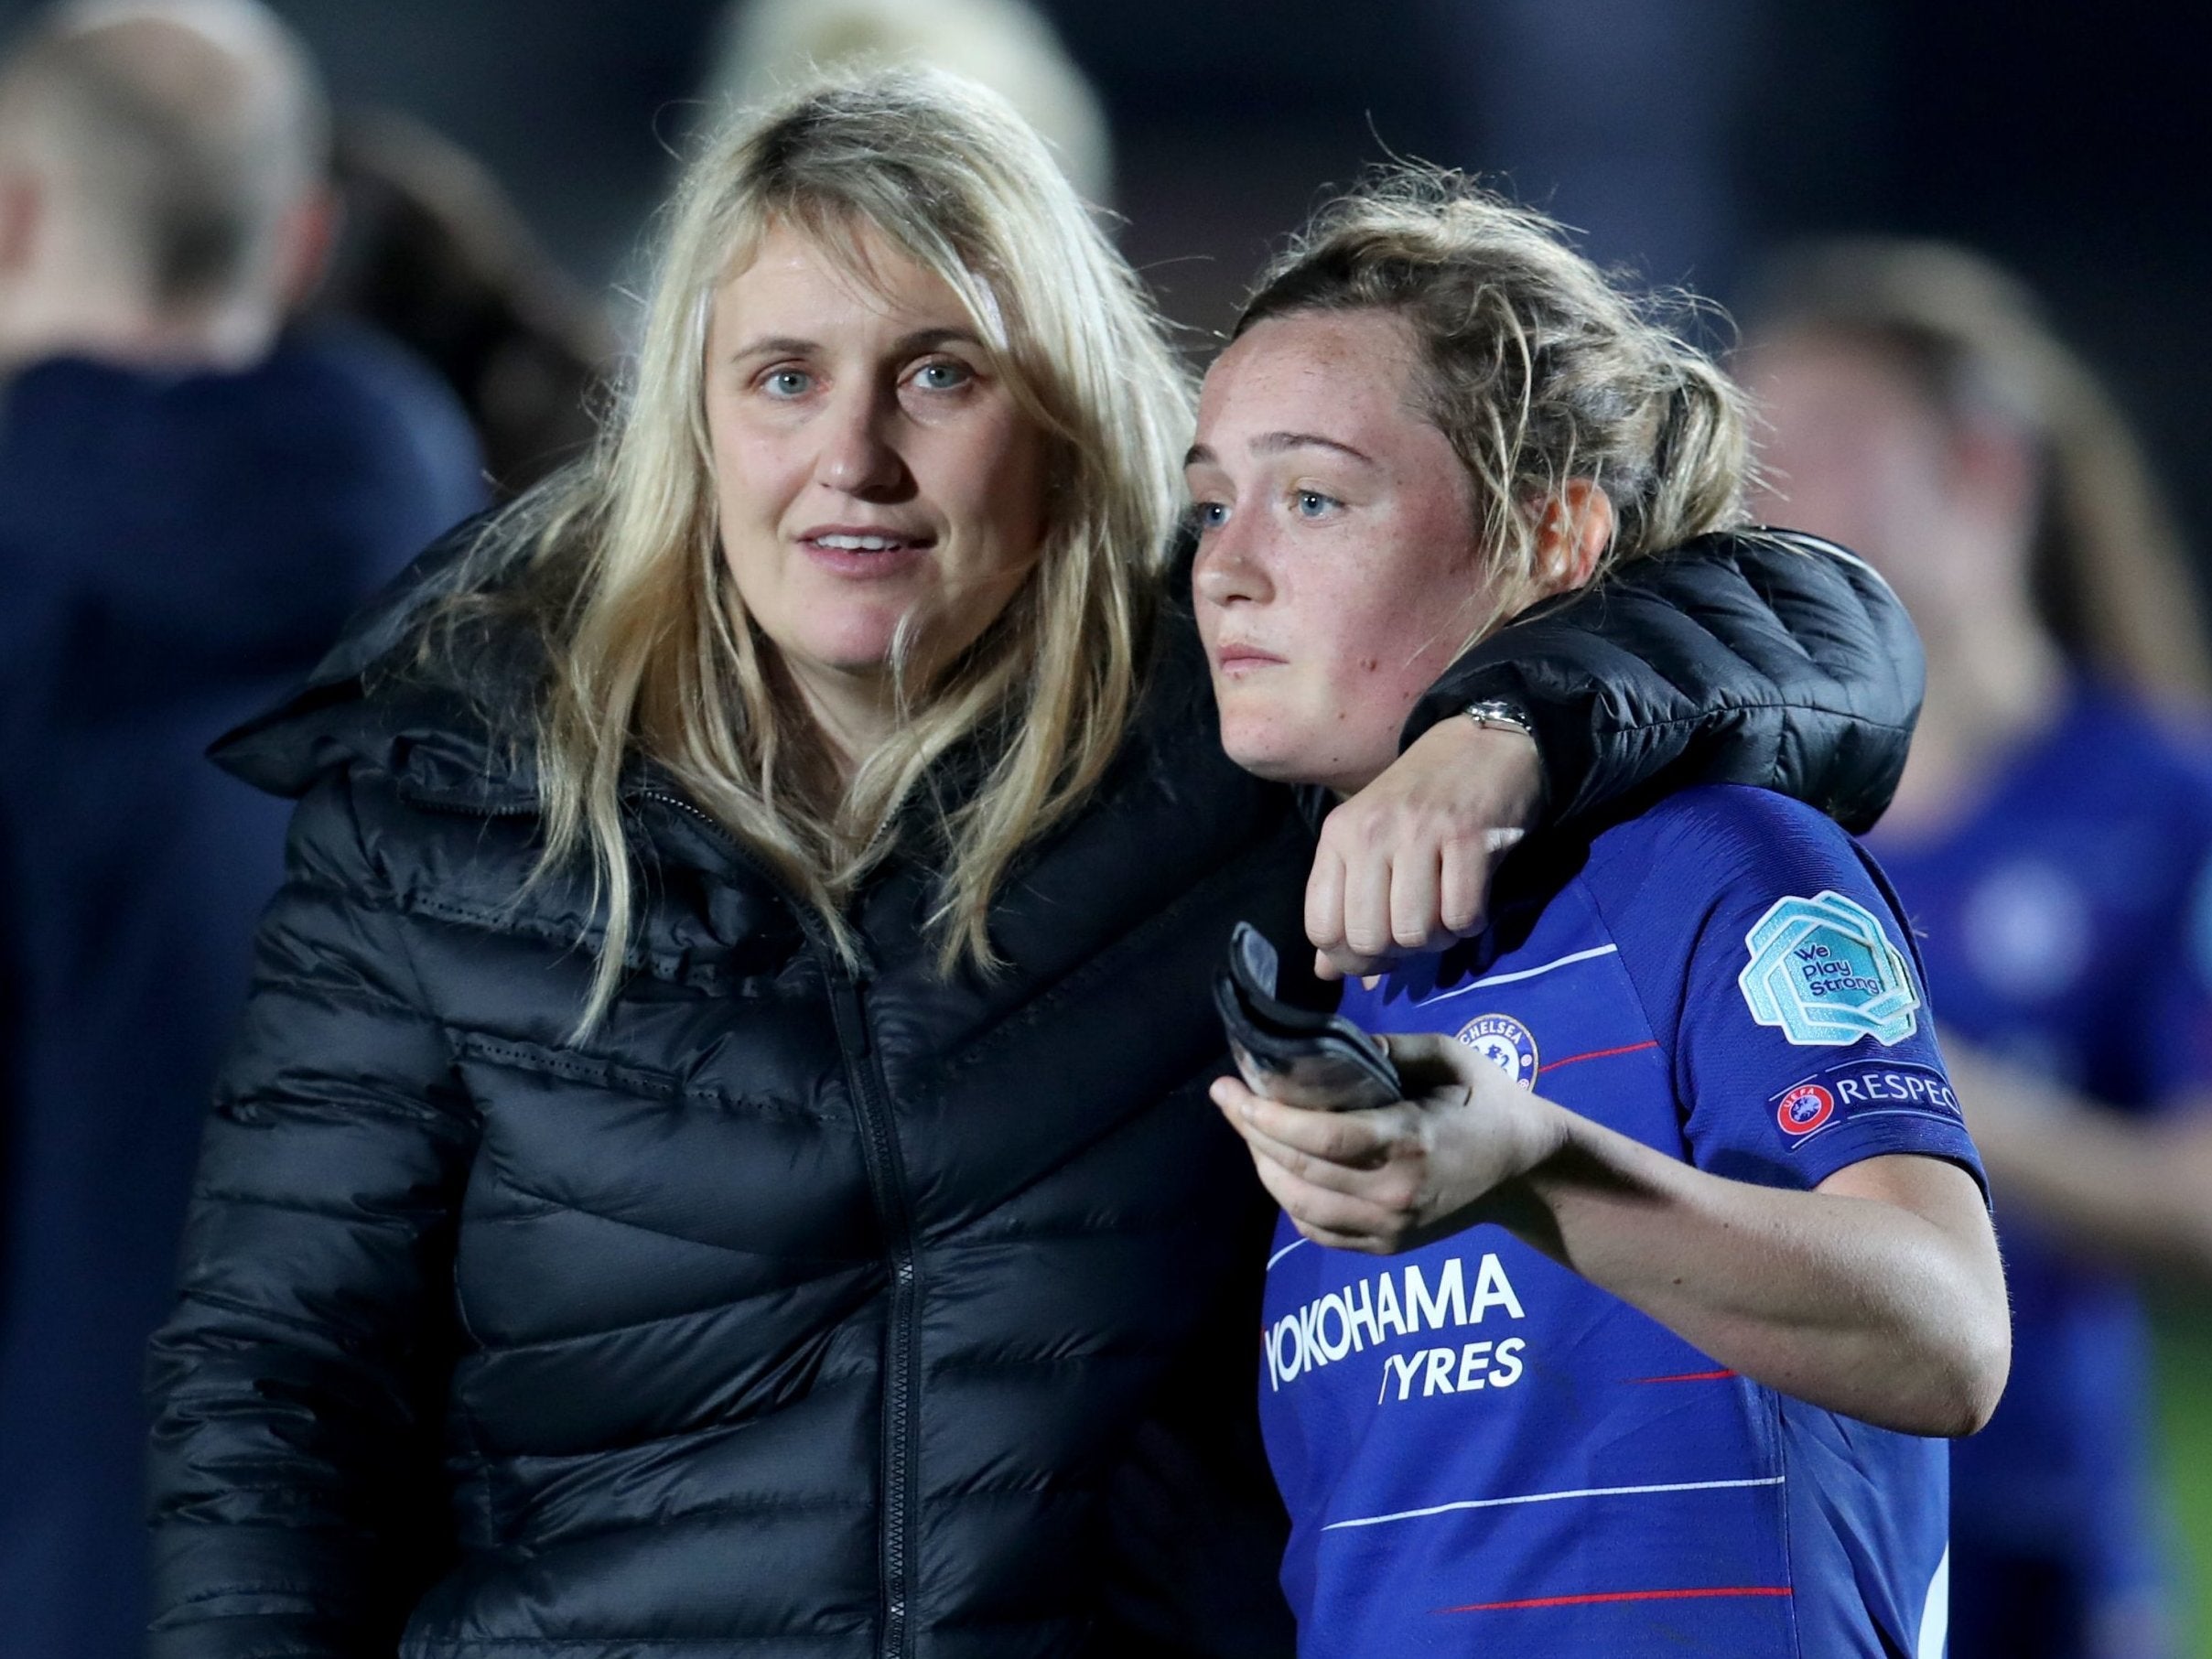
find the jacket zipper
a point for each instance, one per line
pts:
(887, 1182)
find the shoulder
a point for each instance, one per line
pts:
(367, 377)
(57, 421)
(2129, 778)
(1705, 886)
(387, 412)
(1698, 846)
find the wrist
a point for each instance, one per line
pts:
(1505, 759)
(1577, 1159)
(1540, 1136)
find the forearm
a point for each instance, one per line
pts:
(1767, 659)
(1852, 1304)
(291, 1500)
(2138, 1193)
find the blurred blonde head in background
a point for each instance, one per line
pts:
(766, 47)
(1936, 423)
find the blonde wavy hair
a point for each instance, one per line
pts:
(652, 656)
(1535, 367)
(2110, 575)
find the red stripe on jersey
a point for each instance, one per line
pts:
(1620, 1595)
(1634, 1048)
(1688, 1376)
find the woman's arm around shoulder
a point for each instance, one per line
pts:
(296, 1386)
(1766, 657)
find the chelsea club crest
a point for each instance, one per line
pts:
(1505, 1044)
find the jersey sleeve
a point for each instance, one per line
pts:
(1802, 1037)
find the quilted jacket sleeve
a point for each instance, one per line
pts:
(1768, 658)
(295, 1385)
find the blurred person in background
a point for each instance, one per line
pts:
(431, 252)
(190, 502)
(763, 47)
(717, 1157)
(2052, 841)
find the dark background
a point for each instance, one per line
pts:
(1682, 136)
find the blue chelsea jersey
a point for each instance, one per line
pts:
(1483, 1453)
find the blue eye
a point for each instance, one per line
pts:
(1208, 516)
(1313, 503)
(787, 382)
(943, 376)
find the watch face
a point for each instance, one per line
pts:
(1496, 712)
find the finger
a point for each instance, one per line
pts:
(1427, 1062)
(1330, 903)
(1326, 900)
(1360, 1139)
(1416, 918)
(1231, 1094)
(1344, 963)
(1310, 1204)
(1342, 1241)
(1365, 928)
(1462, 887)
(1349, 1180)
(1337, 1176)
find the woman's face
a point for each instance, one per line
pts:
(1337, 572)
(1853, 450)
(870, 467)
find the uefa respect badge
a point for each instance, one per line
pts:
(1823, 972)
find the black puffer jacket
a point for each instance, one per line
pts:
(799, 1311)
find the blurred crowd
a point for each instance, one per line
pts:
(256, 352)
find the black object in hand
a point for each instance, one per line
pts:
(1292, 1054)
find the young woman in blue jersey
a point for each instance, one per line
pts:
(2051, 843)
(1622, 1335)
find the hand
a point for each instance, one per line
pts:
(1394, 1178)
(1405, 864)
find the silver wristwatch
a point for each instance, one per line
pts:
(1495, 713)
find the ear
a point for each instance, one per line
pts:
(1572, 535)
(305, 242)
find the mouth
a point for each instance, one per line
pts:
(864, 551)
(1238, 660)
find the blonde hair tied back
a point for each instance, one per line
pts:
(1535, 367)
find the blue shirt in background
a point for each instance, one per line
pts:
(2067, 924)
(176, 551)
(1482, 1453)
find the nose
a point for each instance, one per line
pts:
(859, 454)
(1232, 566)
